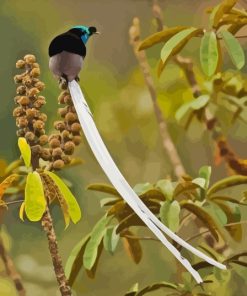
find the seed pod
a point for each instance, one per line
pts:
(18, 78)
(54, 136)
(45, 154)
(20, 132)
(69, 148)
(77, 140)
(43, 117)
(23, 100)
(30, 136)
(29, 58)
(38, 124)
(39, 133)
(35, 72)
(66, 159)
(68, 100)
(38, 103)
(61, 97)
(57, 153)
(43, 140)
(63, 111)
(59, 125)
(35, 65)
(39, 85)
(18, 111)
(21, 90)
(58, 164)
(75, 128)
(33, 91)
(21, 121)
(20, 64)
(32, 113)
(66, 135)
(70, 117)
(27, 81)
(54, 143)
(36, 149)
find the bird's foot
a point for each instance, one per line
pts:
(77, 79)
(63, 82)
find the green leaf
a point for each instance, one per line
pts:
(209, 55)
(169, 214)
(157, 286)
(205, 172)
(105, 188)
(73, 207)
(109, 201)
(226, 183)
(132, 247)
(206, 218)
(183, 113)
(91, 273)
(142, 188)
(161, 36)
(234, 49)
(218, 214)
(201, 182)
(166, 188)
(111, 239)
(98, 232)
(25, 151)
(133, 290)
(35, 202)
(6, 183)
(177, 42)
(200, 102)
(21, 211)
(74, 262)
(219, 11)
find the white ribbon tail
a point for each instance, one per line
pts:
(109, 167)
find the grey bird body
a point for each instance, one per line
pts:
(66, 64)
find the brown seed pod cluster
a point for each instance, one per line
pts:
(29, 118)
(62, 144)
(31, 121)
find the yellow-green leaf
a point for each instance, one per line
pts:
(177, 42)
(220, 10)
(166, 188)
(209, 55)
(111, 239)
(73, 207)
(21, 211)
(3, 166)
(35, 202)
(25, 151)
(105, 188)
(169, 214)
(91, 251)
(161, 36)
(6, 183)
(234, 49)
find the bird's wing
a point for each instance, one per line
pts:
(67, 42)
(104, 159)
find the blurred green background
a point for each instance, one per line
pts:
(124, 115)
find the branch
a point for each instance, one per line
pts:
(167, 142)
(11, 270)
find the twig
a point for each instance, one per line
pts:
(11, 270)
(167, 142)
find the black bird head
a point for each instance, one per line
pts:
(84, 32)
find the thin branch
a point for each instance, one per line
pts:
(11, 270)
(167, 141)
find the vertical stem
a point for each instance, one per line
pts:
(11, 270)
(167, 142)
(56, 258)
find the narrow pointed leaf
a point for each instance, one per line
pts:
(205, 172)
(157, 286)
(7, 183)
(133, 290)
(176, 44)
(91, 273)
(169, 214)
(219, 11)
(97, 234)
(161, 36)
(234, 49)
(104, 188)
(111, 239)
(132, 247)
(75, 261)
(21, 211)
(73, 207)
(226, 183)
(25, 151)
(209, 53)
(35, 202)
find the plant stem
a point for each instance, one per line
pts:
(167, 141)
(56, 258)
(11, 270)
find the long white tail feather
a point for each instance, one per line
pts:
(104, 159)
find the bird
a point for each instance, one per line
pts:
(67, 52)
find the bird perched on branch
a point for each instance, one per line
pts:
(67, 52)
